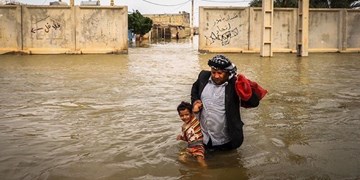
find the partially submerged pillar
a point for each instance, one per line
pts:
(302, 43)
(267, 28)
(72, 3)
(192, 20)
(112, 3)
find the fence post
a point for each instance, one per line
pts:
(267, 28)
(303, 28)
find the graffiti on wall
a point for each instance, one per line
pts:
(223, 29)
(47, 27)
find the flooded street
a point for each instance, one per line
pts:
(114, 116)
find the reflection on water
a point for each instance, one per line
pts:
(114, 116)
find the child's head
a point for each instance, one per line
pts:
(185, 111)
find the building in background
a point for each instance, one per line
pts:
(90, 3)
(10, 2)
(169, 26)
(58, 3)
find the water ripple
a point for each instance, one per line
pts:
(114, 116)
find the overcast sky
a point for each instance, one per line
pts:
(155, 6)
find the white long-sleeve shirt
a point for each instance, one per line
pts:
(213, 118)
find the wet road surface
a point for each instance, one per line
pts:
(114, 116)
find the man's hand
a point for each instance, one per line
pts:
(243, 88)
(197, 106)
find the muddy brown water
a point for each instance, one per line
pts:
(114, 116)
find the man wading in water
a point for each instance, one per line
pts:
(214, 94)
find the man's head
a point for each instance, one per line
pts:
(222, 69)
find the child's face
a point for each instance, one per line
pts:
(185, 115)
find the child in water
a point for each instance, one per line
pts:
(191, 133)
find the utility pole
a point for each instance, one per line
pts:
(192, 19)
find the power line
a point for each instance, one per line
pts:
(179, 7)
(166, 4)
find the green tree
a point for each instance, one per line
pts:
(312, 3)
(139, 24)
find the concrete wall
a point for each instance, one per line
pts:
(223, 30)
(229, 29)
(10, 28)
(48, 29)
(284, 31)
(63, 29)
(334, 30)
(324, 30)
(101, 29)
(352, 25)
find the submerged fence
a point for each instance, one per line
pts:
(232, 29)
(63, 29)
(103, 29)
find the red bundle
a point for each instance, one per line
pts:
(245, 88)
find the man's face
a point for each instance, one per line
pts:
(219, 76)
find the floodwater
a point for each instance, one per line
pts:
(114, 116)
